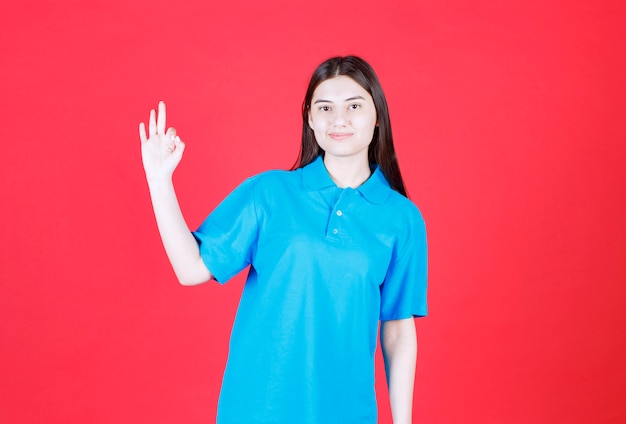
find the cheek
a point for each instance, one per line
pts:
(366, 122)
(317, 123)
(319, 129)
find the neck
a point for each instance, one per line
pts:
(347, 172)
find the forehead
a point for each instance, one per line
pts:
(339, 88)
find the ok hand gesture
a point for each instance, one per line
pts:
(162, 150)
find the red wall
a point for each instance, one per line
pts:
(509, 121)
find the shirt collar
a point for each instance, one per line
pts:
(376, 189)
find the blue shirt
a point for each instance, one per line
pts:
(326, 264)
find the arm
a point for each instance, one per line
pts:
(399, 347)
(161, 153)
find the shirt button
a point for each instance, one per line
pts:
(335, 231)
(339, 213)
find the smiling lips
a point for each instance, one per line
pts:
(339, 136)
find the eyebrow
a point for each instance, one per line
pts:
(347, 100)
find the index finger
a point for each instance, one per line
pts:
(142, 132)
(161, 118)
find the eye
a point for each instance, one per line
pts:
(324, 108)
(354, 106)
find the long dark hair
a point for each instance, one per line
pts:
(381, 150)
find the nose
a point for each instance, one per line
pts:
(339, 117)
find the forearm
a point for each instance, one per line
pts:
(180, 245)
(399, 346)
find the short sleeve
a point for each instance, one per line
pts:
(403, 293)
(228, 236)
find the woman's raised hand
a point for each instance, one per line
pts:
(161, 150)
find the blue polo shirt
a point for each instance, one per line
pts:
(326, 264)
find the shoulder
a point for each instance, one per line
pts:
(409, 228)
(275, 185)
(273, 175)
(273, 178)
(404, 207)
(258, 185)
(407, 223)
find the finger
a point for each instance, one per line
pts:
(152, 126)
(161, 118)
(142, 132)
(170, 138)
(171, 132)
(179, 147)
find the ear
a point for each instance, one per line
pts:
(310, 119)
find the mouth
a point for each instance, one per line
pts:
(339, 136)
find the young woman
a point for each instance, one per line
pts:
(334, 246)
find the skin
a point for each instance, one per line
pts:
(343, 118)
(399, 345)
(161, 152)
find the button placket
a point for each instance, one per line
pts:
(336, 217)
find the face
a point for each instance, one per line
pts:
(343, 118)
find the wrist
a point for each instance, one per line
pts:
(158, 182)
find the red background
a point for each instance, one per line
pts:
(509, 122)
